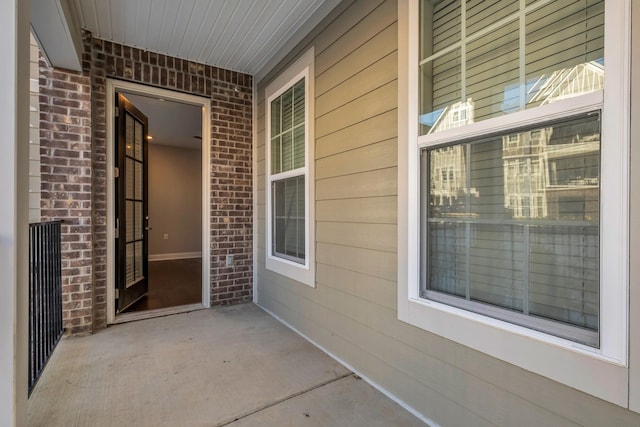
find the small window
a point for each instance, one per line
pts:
(289, 172)
(287, 141)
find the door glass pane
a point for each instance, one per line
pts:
(129, 135)
(138, 260)
(139, 181)
(130, 267)
(138, 220)
(129, 223)
(128, 178)
(513, 223)
(139, 143)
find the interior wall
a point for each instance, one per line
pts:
(175, 202)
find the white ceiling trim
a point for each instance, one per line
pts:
(57, 30)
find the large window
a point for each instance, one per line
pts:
(512, 226)
(289, 195)
(513, 178)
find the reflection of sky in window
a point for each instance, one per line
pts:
(431, 118)
(511, 97)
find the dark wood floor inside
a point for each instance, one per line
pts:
(172, 283)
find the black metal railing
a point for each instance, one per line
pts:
(45, 295)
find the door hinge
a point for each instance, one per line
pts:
(116, 112)
(116, 172)
(117, 293)
(116, 229)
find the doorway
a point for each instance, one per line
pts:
(158, 200)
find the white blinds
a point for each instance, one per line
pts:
(494, 57)
(287, 130)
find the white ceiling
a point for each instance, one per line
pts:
(170, 123)
(240, 35)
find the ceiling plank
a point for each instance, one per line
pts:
(232, 34)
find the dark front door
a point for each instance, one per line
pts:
(131, 207)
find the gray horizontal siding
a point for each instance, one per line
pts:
(352, 311)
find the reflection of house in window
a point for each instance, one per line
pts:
(547, 175)
(524, 173)
(548, 172)
(453, 116)
(448, 176)
(566, 83)
(552, 174)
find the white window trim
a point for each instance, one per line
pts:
(304, 273)
(556, 358)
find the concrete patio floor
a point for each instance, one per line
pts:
(234, 366)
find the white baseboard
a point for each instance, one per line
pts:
(168, 257)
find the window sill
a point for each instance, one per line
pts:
(299, 272)
(555, 358)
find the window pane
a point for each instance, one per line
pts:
(298, 147)
(510, 56)
(491, 66)
(287, 110)
(287, 150)
(276, 116)
(298, 103)
(288, 129)
(289, 218)
(512, 223)
(575, 63)
(276, 155)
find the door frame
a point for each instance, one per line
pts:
(114, 86)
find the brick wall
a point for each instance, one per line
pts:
(65, 169)
(231, 164)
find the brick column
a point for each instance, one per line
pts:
(65, 148)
